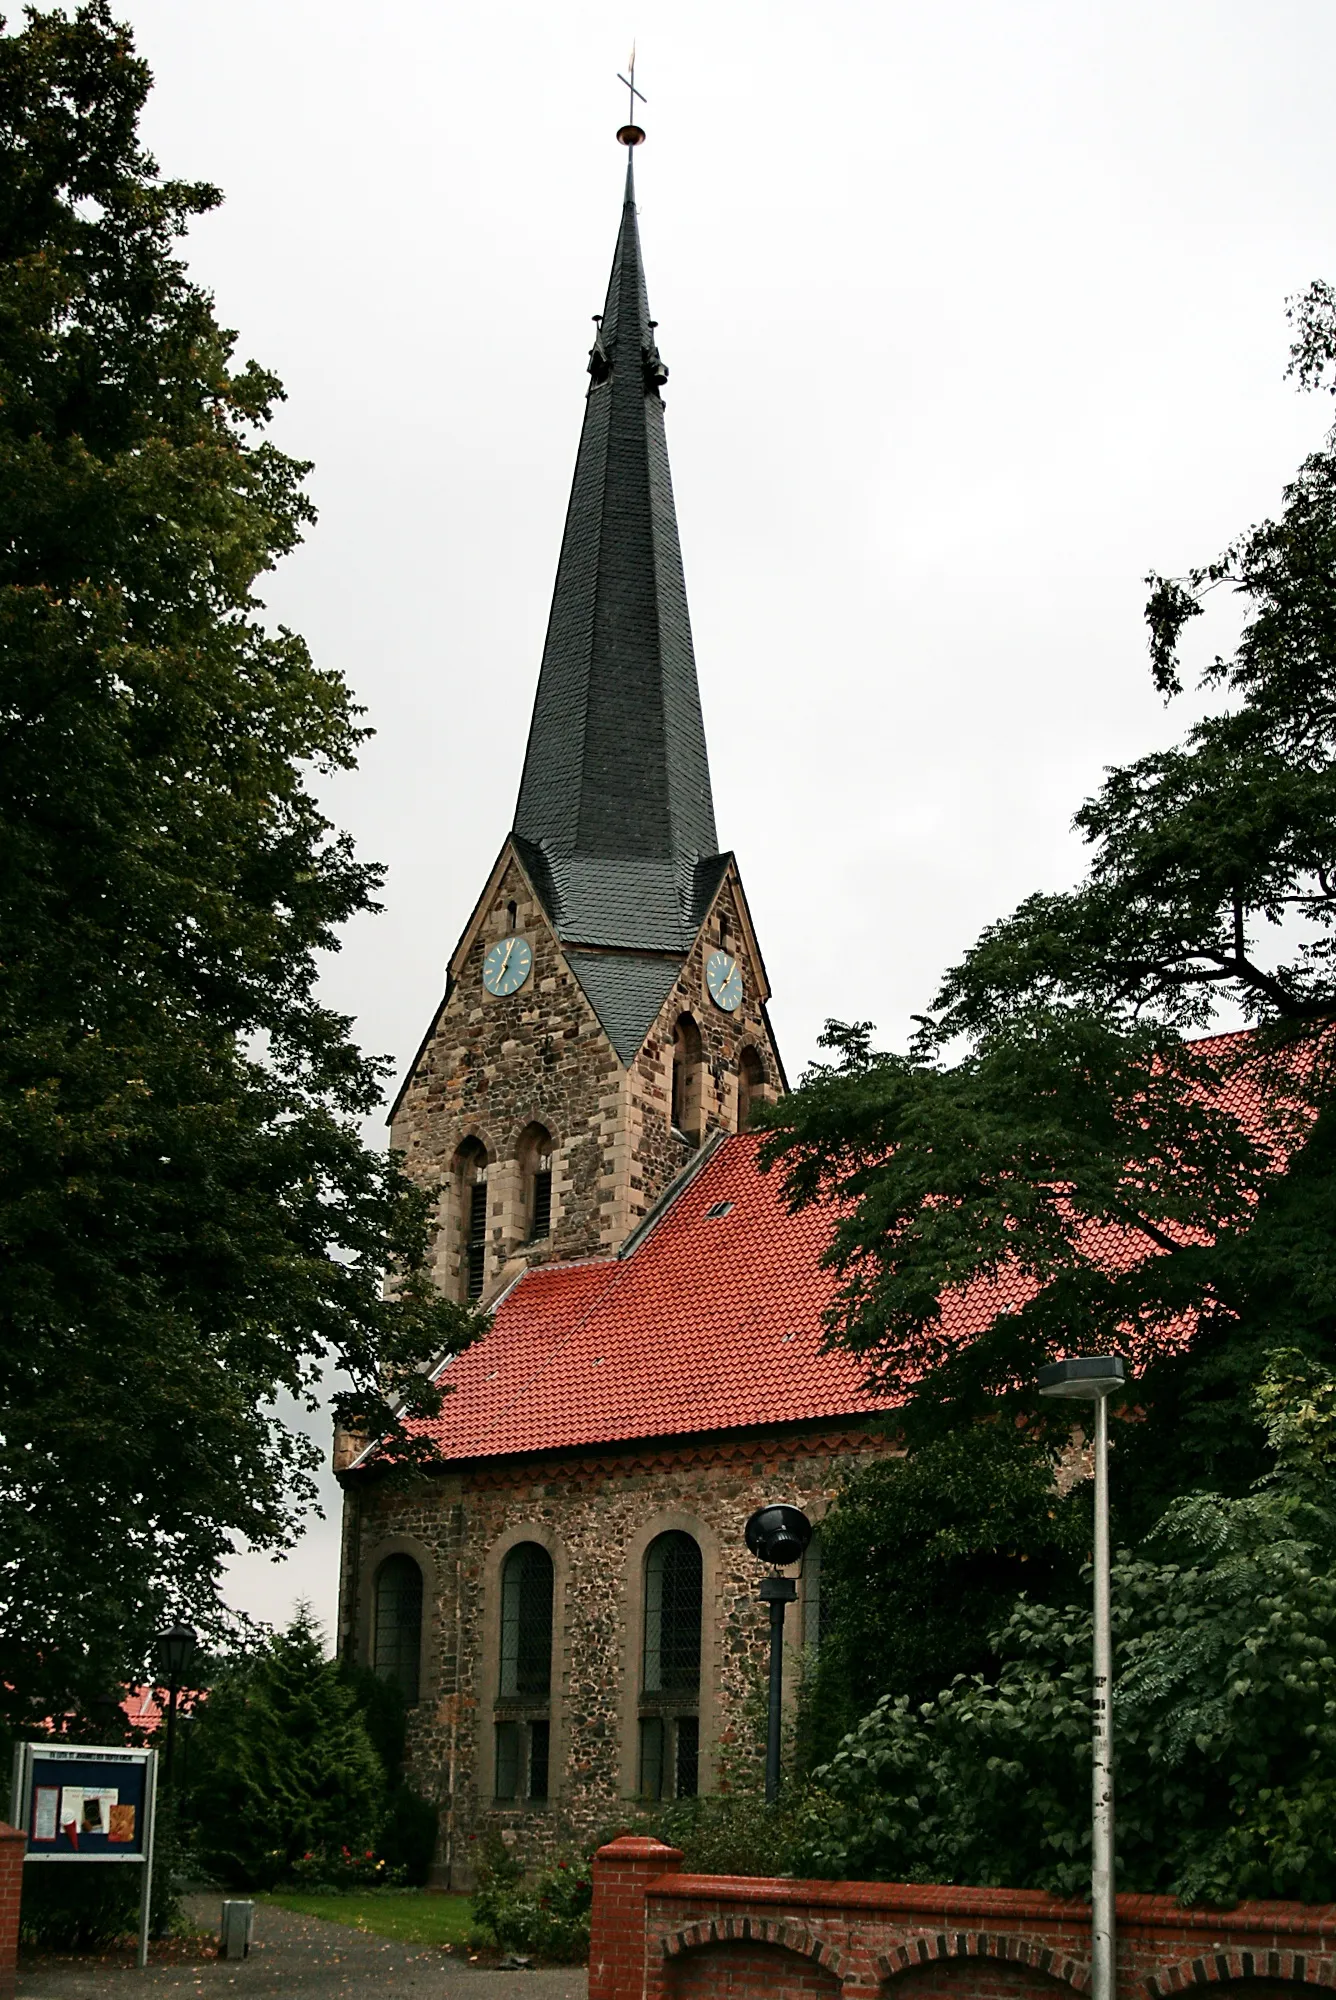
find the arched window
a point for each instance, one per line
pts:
(469, 1172)
(688, 1064)
(534, 1154)
(523, 1724)
(751, 1085)
(398, 1634)
(526, 1621)
(670, 1675)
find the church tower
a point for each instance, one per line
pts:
(605, 1008)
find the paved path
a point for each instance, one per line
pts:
(307, 1958)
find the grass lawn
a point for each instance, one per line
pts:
(413, 1916)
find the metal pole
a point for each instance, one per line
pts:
(146, 1888)
(776, 1591)
(1101, 1842)
(171, 1733)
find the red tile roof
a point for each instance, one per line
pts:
(709, 1324)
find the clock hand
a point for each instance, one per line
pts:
(501, 969)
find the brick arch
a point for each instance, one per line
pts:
(785, 1933)
(931, 1947)
(1219, 1968)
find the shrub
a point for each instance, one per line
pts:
(1224, 1713)
(338, 1872)
(282, 1764)
(550, 1918)
(88, 1908)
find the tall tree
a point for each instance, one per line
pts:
(1055, 1137)
(190, 1225)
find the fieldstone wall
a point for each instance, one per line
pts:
(490, 1067)
(596, 1515)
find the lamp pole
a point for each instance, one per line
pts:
(778, 1535)
(1095, 1379)
(176, 1649)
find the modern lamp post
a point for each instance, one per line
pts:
(778, 1535)
(1095, 1379)
(176, 1650)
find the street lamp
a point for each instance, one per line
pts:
(1095, 1379)
(176, 1650)
(778, 1535)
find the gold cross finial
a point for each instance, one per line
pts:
(631, 133)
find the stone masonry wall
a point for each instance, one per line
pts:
(492, 1066)
(596, 1515)
(654, 1152)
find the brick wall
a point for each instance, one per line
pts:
(12, 1844)
(670, 1936)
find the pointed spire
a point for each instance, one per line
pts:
(614, 809)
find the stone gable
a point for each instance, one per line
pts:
(493, 1069)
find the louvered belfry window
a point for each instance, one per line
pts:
(476, 1247)
(542, 1198)
(398, 1631)
(523, 1729)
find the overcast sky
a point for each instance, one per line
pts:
(974, 314)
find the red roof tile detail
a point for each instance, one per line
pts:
(711, 1324)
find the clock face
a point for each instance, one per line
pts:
(507, 966)
(723, 976)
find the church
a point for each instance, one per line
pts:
(566, 1600)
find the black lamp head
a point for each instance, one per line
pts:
(176, 1649)
(1083, 1378)
(778, 1535)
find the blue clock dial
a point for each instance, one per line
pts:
(507, 966)
(723, 977)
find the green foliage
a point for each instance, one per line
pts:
(339, 1872)
(1051, 1134)
(1224, 1713)
(282, 1764)
(921, 1560)
(410, 1825)
(549, 1918)
(190, 1225)
(87, 1909)
(726, 1833)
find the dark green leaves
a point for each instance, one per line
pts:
(190, 1225)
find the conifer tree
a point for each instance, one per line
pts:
(281, 1763)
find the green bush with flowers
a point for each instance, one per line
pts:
(333, 1871)
(548, 1918)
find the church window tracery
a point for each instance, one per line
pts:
(397, 1645)
(523, 1722)
(688, 1068)
(670, 1676)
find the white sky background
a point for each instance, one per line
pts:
(974, 314)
